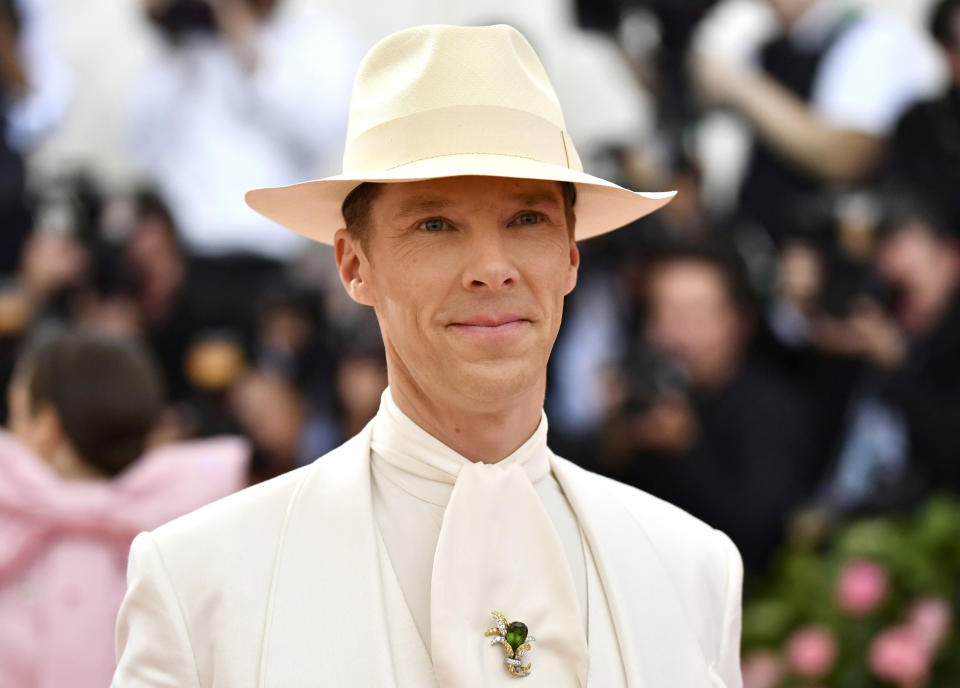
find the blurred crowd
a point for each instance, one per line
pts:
(780, 359)
(791, 359)
(244, 334)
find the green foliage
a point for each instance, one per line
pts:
(918, 555)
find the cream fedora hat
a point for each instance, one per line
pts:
(445, 101)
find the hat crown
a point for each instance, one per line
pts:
(444, 101)
(433, 67)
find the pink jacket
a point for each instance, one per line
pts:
(63, 551)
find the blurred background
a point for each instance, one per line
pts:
(777, 352)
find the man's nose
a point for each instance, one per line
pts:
(489, 264)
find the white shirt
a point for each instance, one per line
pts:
(871, 74)
(413, 475)
(207, 132)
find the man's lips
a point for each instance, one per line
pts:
(490, 320)
(490, 326)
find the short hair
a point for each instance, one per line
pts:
(718, 255)
(907, 207)
(356, 209)
(943, 23)
(106, 390)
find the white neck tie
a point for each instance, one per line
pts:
(498, 551)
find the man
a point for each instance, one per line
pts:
(824, 99)
(705, 443)
(383, 562)
(919, 348)
(899, 435)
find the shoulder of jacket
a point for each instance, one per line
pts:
(248, 519)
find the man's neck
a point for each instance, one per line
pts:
(483, 433)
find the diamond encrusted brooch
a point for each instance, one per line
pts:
(515, 641)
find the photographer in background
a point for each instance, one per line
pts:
(243, 93)
(919, 257)
(899, 436)
(709, 427)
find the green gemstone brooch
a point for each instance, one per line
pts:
(515, 641)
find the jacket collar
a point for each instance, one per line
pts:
(325, 623)
(656, 643)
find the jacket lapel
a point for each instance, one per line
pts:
(325, 622)
(657, 646)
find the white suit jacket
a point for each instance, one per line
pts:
(278, 586)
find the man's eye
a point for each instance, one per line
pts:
(527, 219)
(434, 225)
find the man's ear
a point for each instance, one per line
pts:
(353, 267)
(574, 267)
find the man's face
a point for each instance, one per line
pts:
(692, 319)
(467, 277)
(924, 272)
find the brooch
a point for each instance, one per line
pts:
(515, 641)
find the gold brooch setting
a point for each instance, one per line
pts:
(515, 640)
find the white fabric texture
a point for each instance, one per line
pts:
(606, 661)
(413, 475)
(498, 549)
(413, 667)
(411, 661)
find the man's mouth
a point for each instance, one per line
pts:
(491, 320)
(492, 326)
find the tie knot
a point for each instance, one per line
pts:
(495, 476)
(425, 467)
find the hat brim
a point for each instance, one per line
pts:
(313, 208)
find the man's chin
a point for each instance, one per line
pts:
(496, 379)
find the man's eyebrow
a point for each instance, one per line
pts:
(421, 204)
(538, 198)
(418, 205)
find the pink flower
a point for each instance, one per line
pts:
(898, 656)
(930, 618)
(861, 587)
(762, 669)
(811, 652)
